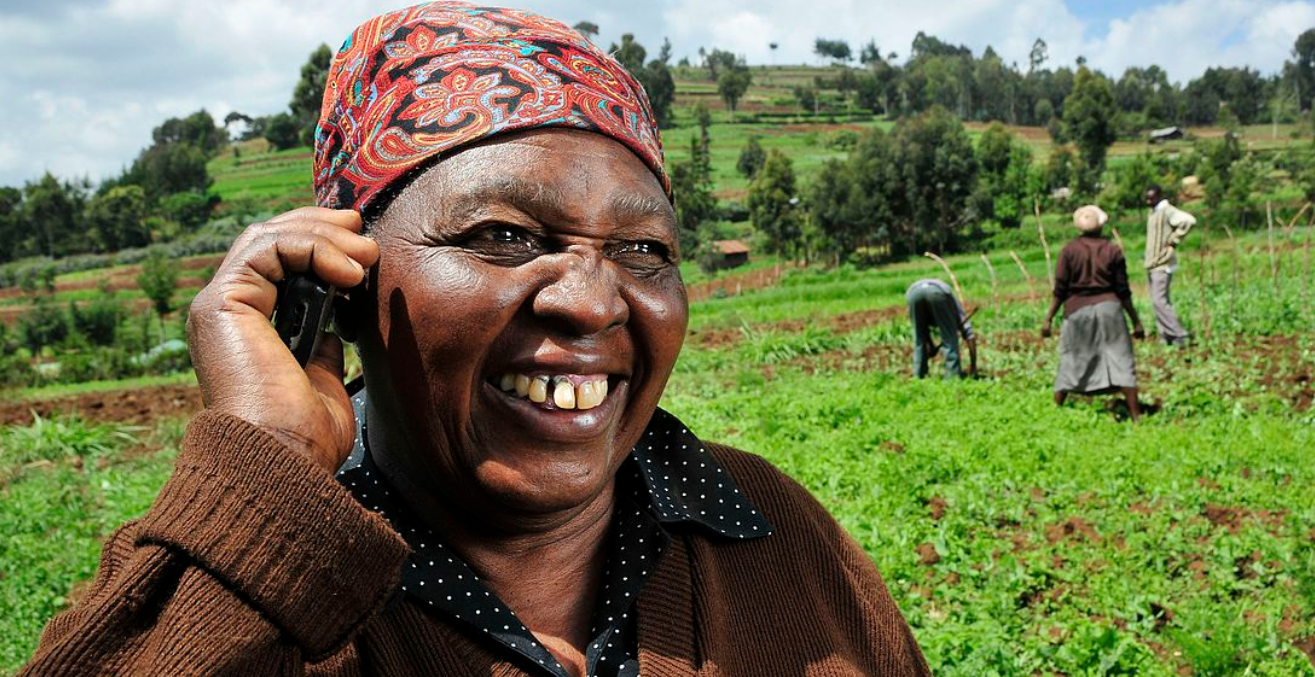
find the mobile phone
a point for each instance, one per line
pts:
(302, 314)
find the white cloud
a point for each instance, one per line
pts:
(86, 80)
(1189, 36)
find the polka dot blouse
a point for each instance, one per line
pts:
(668, 482)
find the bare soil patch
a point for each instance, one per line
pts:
(142, 406)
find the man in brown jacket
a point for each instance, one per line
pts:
(504, 497)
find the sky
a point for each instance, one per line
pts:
(85, 81)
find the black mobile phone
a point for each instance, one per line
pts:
(302, 314)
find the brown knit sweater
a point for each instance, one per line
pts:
(255, 562)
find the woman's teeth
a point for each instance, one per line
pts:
(564, 394)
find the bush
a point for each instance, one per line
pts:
(102, 364)
(42, 325)
(98, 320)
(15, 372)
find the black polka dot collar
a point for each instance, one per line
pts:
(668, 482)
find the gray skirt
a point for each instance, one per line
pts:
(1095, 351)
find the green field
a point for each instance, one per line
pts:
(1017, 537)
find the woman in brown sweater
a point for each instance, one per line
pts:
(503, 497)
(1091, 283)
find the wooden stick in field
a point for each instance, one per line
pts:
(958, 291)
(995, 285)
(1305, 276)
(1204, 277)
(1117, 240)
(1237, 253)
(1031, 286)
(1292, 225)
(1273, 260)
(1041, 229)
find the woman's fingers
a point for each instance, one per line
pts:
(241, 364)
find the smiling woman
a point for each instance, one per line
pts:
(503, 496)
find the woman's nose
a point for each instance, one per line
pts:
(583, 293)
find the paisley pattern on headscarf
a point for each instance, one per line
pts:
(411, 84)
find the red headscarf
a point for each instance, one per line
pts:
(411, 84)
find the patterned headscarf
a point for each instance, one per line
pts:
(414, 83)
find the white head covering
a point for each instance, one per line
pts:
(1090, 218)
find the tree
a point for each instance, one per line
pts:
(169, 167)
(938, 173)
(870, 54)
(51, 211)
(1006, 183)
(732, 83)
(309, 92)
(717, 61)
(117, 217)
(11, 236)
(158, 281)
(751, 159)
(1039, 55)
(588, 29)
(836, 50)
(1090, 122)
(189, 209)
(281, 131)
(772, 203)
(691, 184)
(629, 53)
(1302, 72)
(198, 130)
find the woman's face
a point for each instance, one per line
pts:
(528, 311)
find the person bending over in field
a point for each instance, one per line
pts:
(504, 497)
(1091, 283)
(932, 302)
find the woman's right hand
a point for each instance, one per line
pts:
(1138, 332)
(243, 368)
(1046, 330)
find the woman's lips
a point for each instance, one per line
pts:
(547, 420)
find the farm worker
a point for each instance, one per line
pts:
(1091, 283)
(504, 496)
(932, 302)
(1165, 228)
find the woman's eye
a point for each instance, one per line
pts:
(641, 254)
(507, 244)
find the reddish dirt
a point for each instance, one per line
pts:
(735, 284)
(927, 555)
(1074, 528)
(1307, 646)
(1233, 518)
(133, 407)
(937, 507)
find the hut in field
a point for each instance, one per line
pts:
(730, 253)
(1167, 134)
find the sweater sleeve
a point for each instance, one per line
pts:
(840, 614)
(1119, 275)
(1063, 275)
(252, 561)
